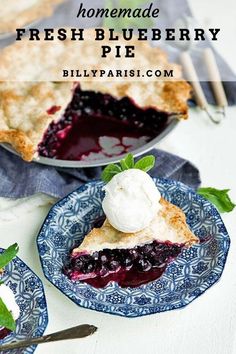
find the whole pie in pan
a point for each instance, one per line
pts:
(71, 120)
(16, 14)
(131, 259)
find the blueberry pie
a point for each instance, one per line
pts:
(15, 14)
(73, 120)
(131, 259)
(141, 234)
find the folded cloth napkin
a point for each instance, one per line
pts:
(19, 179)
(171, 12)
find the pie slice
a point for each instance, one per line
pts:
(131, 259)
(70, 120)
(16, 14)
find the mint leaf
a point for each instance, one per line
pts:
(7, 256)
(110, 171)
(127, 162)
(146, 163)
(219, 198)
(6, 319)
(123, 165)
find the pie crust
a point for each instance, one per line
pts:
(23, 112)
(107, 237)
(17, 19)
(25, 106)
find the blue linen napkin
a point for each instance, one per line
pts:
(20, 179)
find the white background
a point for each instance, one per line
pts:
(208, 324)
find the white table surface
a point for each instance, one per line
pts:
(206, 326)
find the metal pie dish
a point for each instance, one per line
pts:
(173, 121)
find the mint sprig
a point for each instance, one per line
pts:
(220, 198)
(145, 164)
(110, 171)
(6, 318)
(8, 255)
(127, 162)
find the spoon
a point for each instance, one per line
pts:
(70, 333)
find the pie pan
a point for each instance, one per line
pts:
(185, 279)
(173, 121)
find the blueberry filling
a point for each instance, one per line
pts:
(92, 115)
(4, 332)
(128, 267)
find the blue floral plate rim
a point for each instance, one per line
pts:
(38, 294)
(159, 180)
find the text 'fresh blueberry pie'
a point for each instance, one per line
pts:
(77, 120)
(141, 235)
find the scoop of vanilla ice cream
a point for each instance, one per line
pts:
(131, 200)
(8, 298)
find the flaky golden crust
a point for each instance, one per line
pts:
(19, 141)
(167, 96)
(24, 113)
(176, 219)
(108, 237)
(27, 101)
(17, 19)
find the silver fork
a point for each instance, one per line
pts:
(70, 333)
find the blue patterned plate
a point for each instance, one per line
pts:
(194, 271)
(29, 293)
